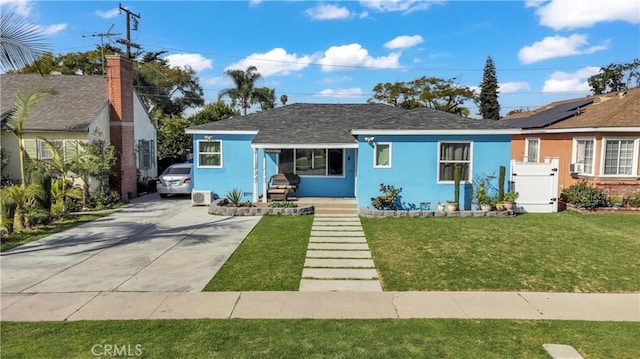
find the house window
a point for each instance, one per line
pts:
(145, 154)
(312, 162)
(583, 153)
(620, 155)
(210, 154)
(45, 150)
(382, 155)
(452, 154)
(532, 146)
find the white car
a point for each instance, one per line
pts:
(176, 179)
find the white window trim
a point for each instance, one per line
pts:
(603, 151)
(198, 154)
(470, 180)
(526, 149)
(326, 175)
(375, 154)
(574, 153)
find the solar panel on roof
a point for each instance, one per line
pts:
(550, 116)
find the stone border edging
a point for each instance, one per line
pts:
(217, 207)
(375, 213)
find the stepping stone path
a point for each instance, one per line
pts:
(338, 257)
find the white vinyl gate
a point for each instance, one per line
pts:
(536, 184)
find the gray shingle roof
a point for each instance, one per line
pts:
(426, 119)
(76, 103)
(333, 123)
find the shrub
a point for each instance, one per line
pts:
(105, 200)
(235, 196)
(283, 205)
(583, 195)
(389, 198)
(635, 201)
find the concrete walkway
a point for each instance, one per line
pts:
(338, 257)
(318, 305)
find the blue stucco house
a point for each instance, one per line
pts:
(348, 150)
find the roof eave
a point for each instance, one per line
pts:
(190, 131)
(436, 132)
(582, 129)
(304, 145)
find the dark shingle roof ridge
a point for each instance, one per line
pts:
(425, 118)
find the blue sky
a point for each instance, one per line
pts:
(336, 52)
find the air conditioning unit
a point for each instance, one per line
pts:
(201, 198)
(576, 168)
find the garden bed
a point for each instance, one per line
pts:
(376, 213)
(221, 207)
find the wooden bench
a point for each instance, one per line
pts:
(288, 181)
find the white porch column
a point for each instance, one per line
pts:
(255, 175)
(264, 176)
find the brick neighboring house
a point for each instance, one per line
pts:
(84, 108)
(595, 138)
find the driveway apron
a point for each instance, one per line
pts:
(152, 244)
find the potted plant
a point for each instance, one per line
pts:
(440, 207)
(510, 199)
(452, 206)
(457, 176)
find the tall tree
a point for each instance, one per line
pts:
(284, 99)
(214, 111)
(488, 99)
(20, 42)
(25, 102)
(166, 90)
(266, 97)
(244, 94)
(616, 77)
(431, 92)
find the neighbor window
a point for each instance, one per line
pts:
(145, 154)
(532, 149)
(450, 155)
(45, 152)
(382, 157)
(584, 153)
(620, 155)
(209, 153)
(312, 162)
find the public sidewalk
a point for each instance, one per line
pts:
(318, 305)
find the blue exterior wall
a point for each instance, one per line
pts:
(414, 161)
(237, 167)
(237, 171)
(317, 186)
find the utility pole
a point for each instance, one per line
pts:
(131, 17)
(102, 35)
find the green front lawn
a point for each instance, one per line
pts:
(271, 258)
(235, 338)
(558, 252)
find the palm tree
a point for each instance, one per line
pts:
(20, 42)
(25, 101)
(25, 200)
(244, 91)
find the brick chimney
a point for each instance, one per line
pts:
(120, 89)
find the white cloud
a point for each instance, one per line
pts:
(338, 58)
(557, 46)
(274, 62)
(221, 81)
(20, 7)
(328, 12)
(511, 87)
(53, 29)
(570, 82)
(569, 14)
(351, 92)
(196, 61)
(109, 14)
(404, 42)
(255, 2)
(404, 6)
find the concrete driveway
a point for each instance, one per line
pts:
(150, 245)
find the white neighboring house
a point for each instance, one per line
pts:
(82, 108)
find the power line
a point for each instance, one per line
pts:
(102, 35)
(131, 17)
